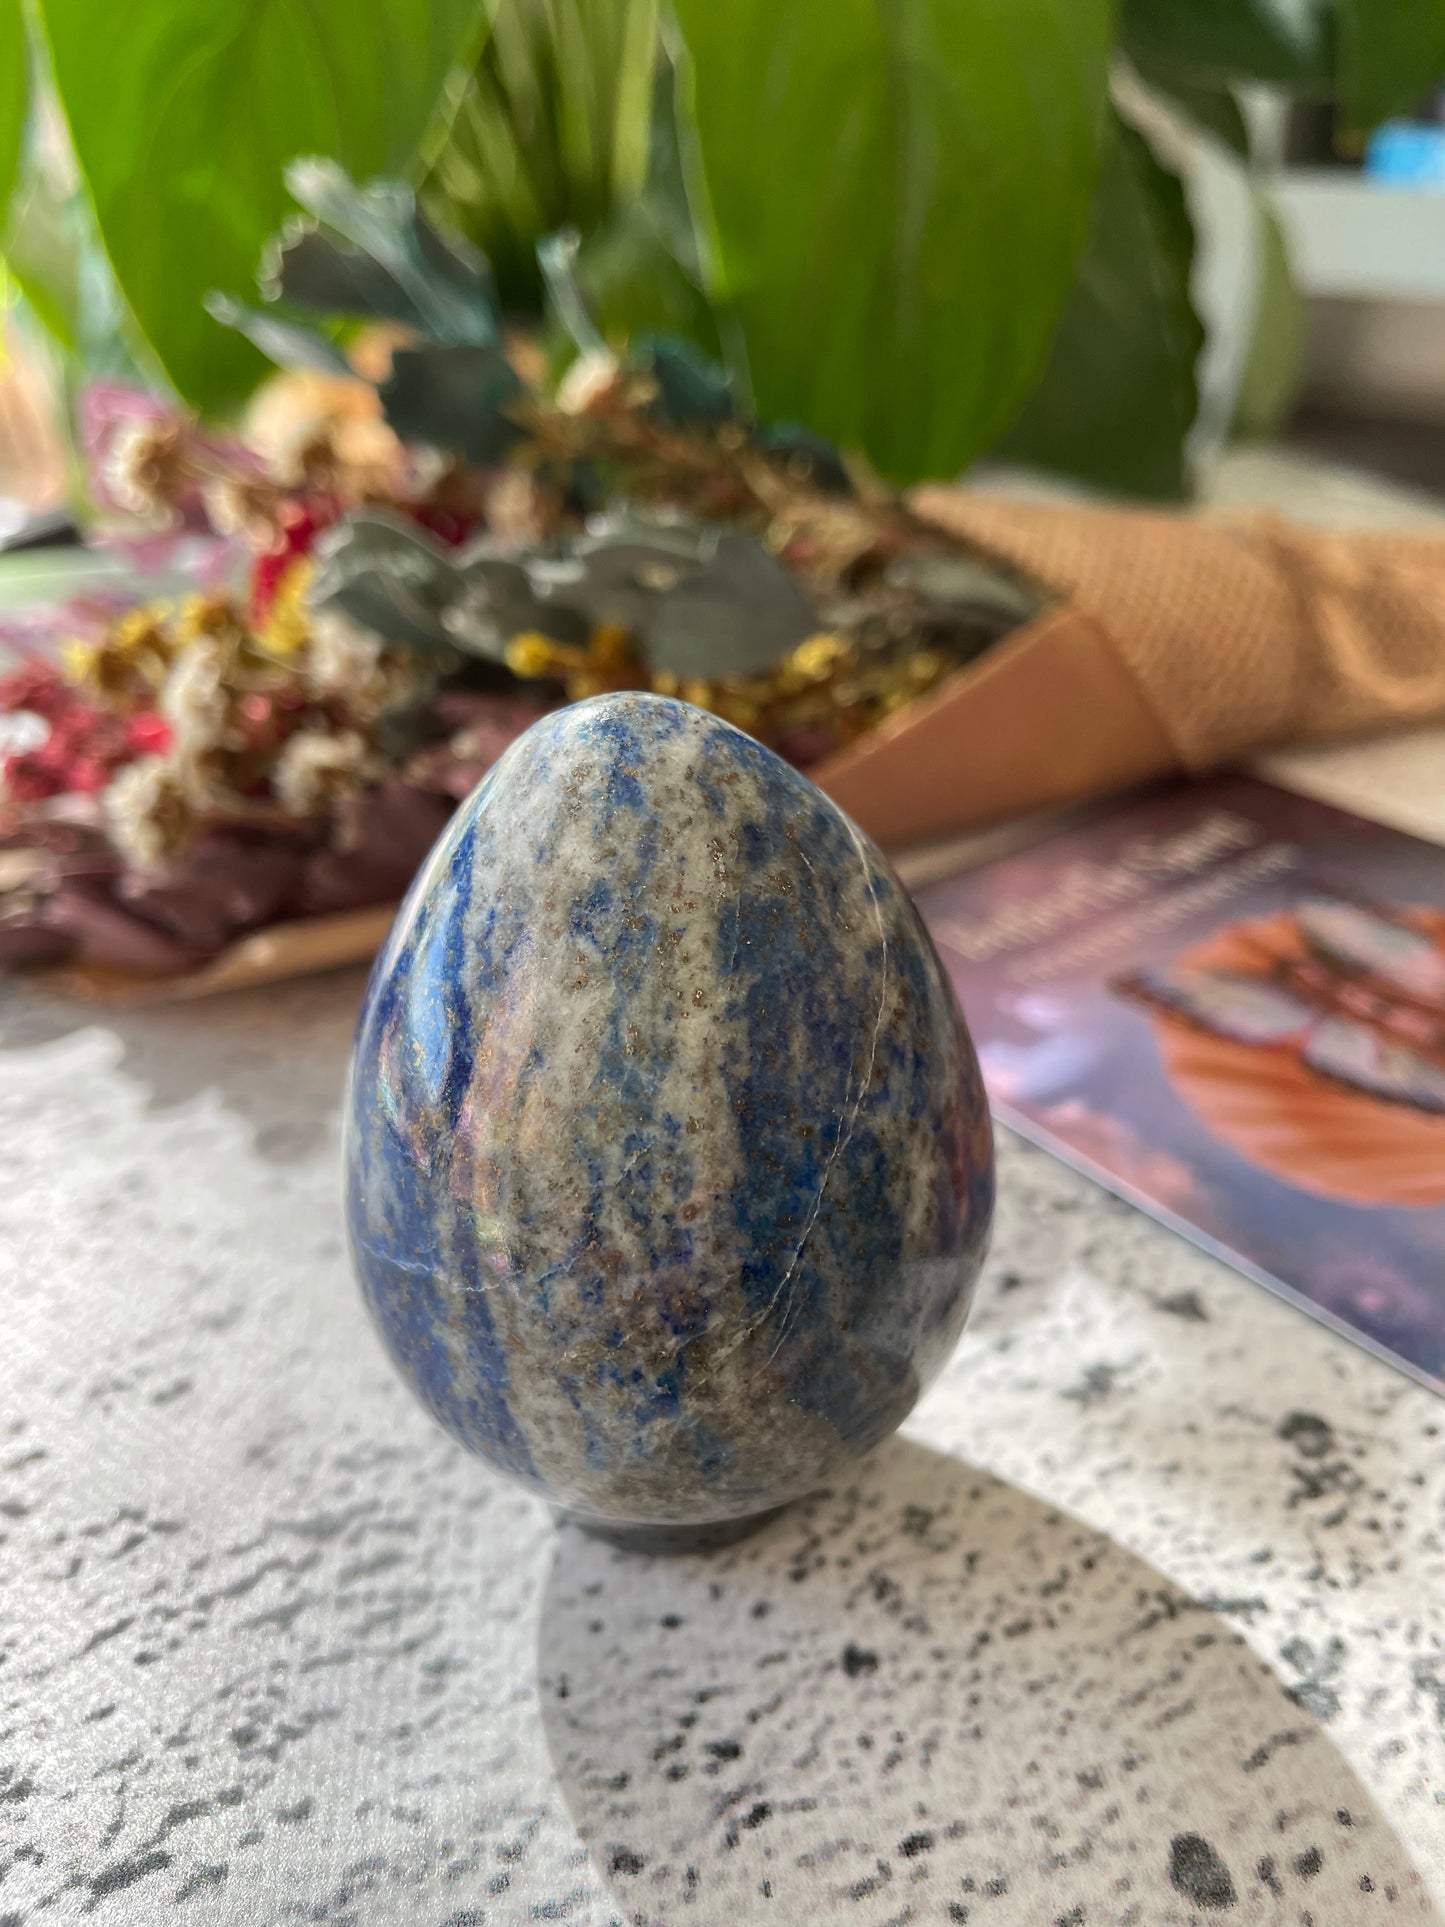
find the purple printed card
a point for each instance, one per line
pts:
(1227, 1003)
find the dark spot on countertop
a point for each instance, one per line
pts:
(624, 1860)
(1184, 1304)
(1197, 1872)
(124, 1873)
(858, 1660)
(1308, 1863)
(210, 1874)
(1097, 1384)
(915, 1844)
(1309, 1434)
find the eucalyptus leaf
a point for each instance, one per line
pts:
(557, 258)
(184, 115)
(897, 194)
(811, 457)
(964, 584)
(501, 599)
(736, 615)
(1118, 393)
(455, 398)
(692, 389)
(1288, 42)
(621, 568)
(288, 343)
(388, 576)
(376, 254)
(1391, 56)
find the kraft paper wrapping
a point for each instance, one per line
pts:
(1170, 643)
(1177, 643)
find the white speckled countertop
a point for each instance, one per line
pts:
(1143, 1621)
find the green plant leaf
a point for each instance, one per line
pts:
(1118, 392)
(549, 131)
(184, 115)
(897, 194)
(1288, 42)
(14, 95)
(1390, 56)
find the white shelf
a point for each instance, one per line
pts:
(1354, 237)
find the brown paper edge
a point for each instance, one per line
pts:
(1049, 716)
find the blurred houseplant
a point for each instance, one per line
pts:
(920, 229)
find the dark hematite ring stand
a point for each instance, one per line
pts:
(669, 1170)
(663, 1539)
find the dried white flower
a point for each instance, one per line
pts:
(131, 469)
(591, 377)
(316, 768)
(148, 810)
(193, 698)
(342, 657)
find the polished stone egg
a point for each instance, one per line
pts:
(669, 1169)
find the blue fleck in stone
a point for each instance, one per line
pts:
(669, 1167)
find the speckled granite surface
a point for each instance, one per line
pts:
(1144, 1620)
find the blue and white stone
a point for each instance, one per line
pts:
(669, 1165)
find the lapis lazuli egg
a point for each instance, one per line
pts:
(669, 1165)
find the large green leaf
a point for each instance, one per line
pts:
(13, 92)
(184, 114)
(1118, 393)
(897, 191)
(1289, 42)
(1391, 55)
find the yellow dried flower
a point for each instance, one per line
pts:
(532, 654)
(739, 710)
(213, 614)
(288, 622)
(79, 659)
(819, 657)
(610, 645)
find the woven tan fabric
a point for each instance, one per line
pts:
(1236, 633)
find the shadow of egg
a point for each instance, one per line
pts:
(928, 1696)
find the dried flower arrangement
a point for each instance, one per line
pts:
(438, 542)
